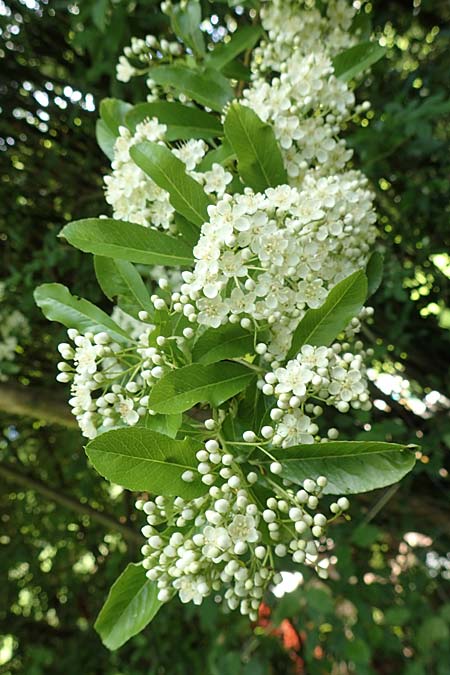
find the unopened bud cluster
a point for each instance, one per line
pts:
(111, 381)
(227, 541)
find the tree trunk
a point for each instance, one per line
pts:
(22, 401)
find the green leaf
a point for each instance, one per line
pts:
(244, 38)
(185, 22)
(164, 424)
(361, 26)
(320, 326)
(113, 112)
(182, 121)
(112, 116)
(221, 155)
(208, 87)
(58, 304)
(237, 71)
(127, 241)
(183, 388)
(120, 279)
(226, 342)
(142, 459)
(374, 272)
(131, 604)
(186, 195)
(350, 466)
(105, 139)
(259, 158)
(355, 60)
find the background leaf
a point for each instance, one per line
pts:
(142, 459)
(131, 604)
(112, 116)
(183, 388)
(225, 342)
(120, 279)
(127, 241)
(350, 466)
(356, 59)
(374, 272)
(259, 158)
(244, 38)
(58, 304)
(186, 21)
(183, 122)
(186, 195)
(208, 87)
(321, 326)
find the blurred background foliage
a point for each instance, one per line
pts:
(65, 534)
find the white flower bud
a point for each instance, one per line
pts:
(269, 516)
(267, 432)
(276, 468)
(343, 503)
(212, 445)
(260, 552)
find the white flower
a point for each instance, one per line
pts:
(217, 540)
(125, 408)
(293, 379)
(294, 429)
(124, 70)
(217, 179)
(191, 589)
(243, 530)
(86, 355)
(191, 153)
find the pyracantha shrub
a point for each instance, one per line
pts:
(207, 390)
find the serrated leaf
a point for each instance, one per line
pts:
(321, 326)
(142, 459)
(183, 122)
(374, 272)
(127, 241)
(58, 304)
(351, 467)
(260, 163)
(131, 604)
(356, 59)
(226, 342)
(183, 388)
(120, 279)
(186, 195)
(208, 87)
(244, 38)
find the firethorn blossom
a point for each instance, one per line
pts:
(262, 260)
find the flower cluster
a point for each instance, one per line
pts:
(329, 376)
(294, 86)
(141, 53)
(262, 260)
(111, 381)
(225, 540)
(269, 257)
